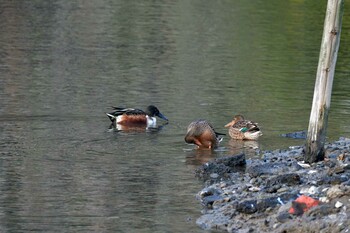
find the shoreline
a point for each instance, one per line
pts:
(257, 195)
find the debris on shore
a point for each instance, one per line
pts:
(278, 193)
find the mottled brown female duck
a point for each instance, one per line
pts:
(242, 129)
(202, 134)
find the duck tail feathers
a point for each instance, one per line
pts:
(111, 117)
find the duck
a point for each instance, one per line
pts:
(135, 116)
(242, 129)
(202, 134)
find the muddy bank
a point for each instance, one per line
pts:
(278, 193)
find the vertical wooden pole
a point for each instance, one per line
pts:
(324, 80)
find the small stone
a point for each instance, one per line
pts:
(304, 165)
(312, 190)
(341, 157)
(336, 170)
(254, 189)
(284, 208)
(287, 179)
(338, 204)
(227, 192)
(282, 190)
(283, 217)
(208, 192)
(304, 190)
(214, 175)
(334, 192)
(324, 199)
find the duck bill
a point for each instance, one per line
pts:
(230, 124)
(162, 116)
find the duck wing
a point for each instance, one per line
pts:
(245, 126)
(128, 111)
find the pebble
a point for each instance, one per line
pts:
(324, 199)
(252, 181)
(282, 190)
(260, 191)
(338, 204)
(303, 164)
(311, 191)
(334, 192)
(254, 189)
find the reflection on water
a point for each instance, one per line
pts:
(196, 157)
(62, 63)
(250, 148)
(137, 128)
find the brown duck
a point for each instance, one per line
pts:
(202, 134)
(242, 129)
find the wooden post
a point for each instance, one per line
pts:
(324, 80)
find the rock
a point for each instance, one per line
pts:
(283, 217)
(310, 191)
(334, 192)
(341, 157)
(211, 221)
(324, 199)
(209, 200)
(336, 170)
(286, 179)
(259, 205)
(254, 189)
(257, 197)
(282, 213)
(321, 210)
(284, 208)
(269, 169)
(338, 204)
(282, 190)
(303, 164)
(295, 135)
(272, 189)
(208, 192)
(221, 167)
(335, 179)
(232, 161)
(247, 207)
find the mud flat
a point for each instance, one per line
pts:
(278, 193)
